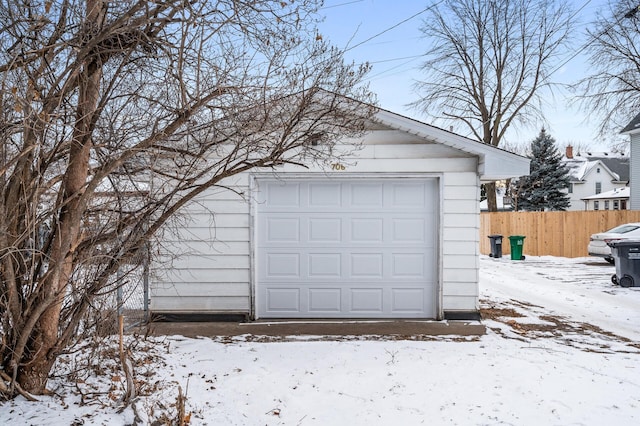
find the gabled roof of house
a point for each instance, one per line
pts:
(615, 164)
(617, 193)
(494, 163)
(633, 126)
(618, 165)
(576, 168)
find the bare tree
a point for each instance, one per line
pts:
(611, 91)
(487, 63)
(114, 115)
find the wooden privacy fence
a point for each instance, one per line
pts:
(564, 234)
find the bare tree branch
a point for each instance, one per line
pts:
(611, 91)
(115, 115)
(487, 63)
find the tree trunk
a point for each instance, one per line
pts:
(492, 202)
(42, 350)
(136, 92)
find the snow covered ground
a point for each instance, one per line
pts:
(562, 347)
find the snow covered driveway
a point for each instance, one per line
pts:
(561, 348)
(579, 289)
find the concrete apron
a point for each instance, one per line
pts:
(402, 329)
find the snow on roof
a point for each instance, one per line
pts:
(617, 193)
(580, 165)
(576, 168)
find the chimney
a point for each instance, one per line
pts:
(569, 153)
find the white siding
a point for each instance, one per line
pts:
(634, 171)
(460, 303)
(200, 304)
(203, 264)
(213, 273)
(460, 245)
(172, 278)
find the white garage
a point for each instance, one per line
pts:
(392, 231)
(347, 248)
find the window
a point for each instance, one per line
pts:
(623, 204)
(606, 204)
(596, 205)
(598, 187)
(570, 188)
(616, 205)
(598, 170)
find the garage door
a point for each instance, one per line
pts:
(356, 248)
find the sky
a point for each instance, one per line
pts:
(395, 56)
(562, 348)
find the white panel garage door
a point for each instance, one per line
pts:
(356, 248)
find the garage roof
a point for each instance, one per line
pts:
(494, 163)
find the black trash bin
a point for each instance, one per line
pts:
(626, 255)
(496, 246)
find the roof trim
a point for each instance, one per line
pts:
(494, 163)
(632, 127)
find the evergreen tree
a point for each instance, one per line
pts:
(546, 186)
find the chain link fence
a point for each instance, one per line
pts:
(132, 294)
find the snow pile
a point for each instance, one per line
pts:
(560, 349)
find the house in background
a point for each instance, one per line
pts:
(616, 199)
(393, 232)
(633, 130)
(592, 174)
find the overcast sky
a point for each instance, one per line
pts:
(395, 56)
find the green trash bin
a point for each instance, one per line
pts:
(517, 242)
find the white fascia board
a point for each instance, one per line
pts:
(494, 163)
(631, 132)
(498, 167)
